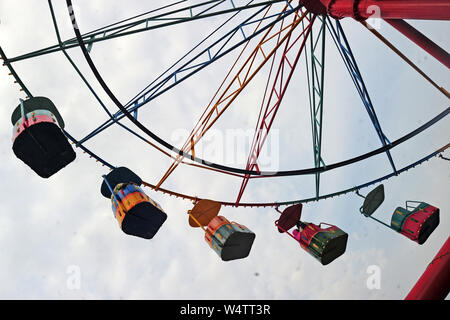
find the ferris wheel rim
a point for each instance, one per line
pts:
(436, 153)
(440, 116)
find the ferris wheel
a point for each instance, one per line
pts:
(273, 38)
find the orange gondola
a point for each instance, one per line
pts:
(230, 240)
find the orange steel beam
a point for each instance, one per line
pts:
(245, 74)
(421, 40)
(408, 61)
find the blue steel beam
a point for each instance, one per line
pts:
(162, 84)
(344, 49)
(205, 57)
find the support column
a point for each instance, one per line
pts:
(434, 284)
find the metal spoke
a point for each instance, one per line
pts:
(270, 109)
(346, 53)
(206, 57)
(316, 90)
(150, 23)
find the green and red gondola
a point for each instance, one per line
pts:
(416, 222)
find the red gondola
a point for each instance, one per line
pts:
(324, 244)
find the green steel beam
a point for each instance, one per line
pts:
(315, 73)
(154, 22)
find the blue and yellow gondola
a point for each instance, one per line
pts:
(137, 214)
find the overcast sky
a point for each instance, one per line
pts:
(54, 229)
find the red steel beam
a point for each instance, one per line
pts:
(421, 40)
(434, 284)
(279, 88)
(386, 9)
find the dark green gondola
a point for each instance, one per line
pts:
(324, 244)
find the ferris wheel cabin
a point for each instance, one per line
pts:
(324, 244)
(38, 139)
(230, 240)
(137, 214)
(416, 222)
